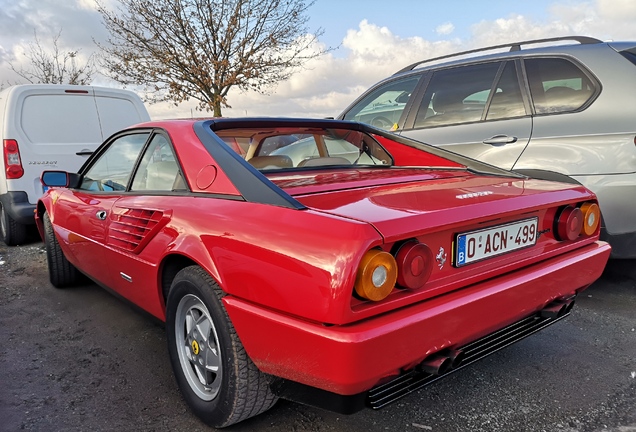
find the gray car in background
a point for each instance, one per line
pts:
(559, 108)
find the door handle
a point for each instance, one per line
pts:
(101, 215)
(498, 140)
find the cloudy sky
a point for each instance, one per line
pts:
(374, 38)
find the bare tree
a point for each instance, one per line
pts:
(55, 66)
(200, 49)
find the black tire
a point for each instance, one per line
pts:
(237, 390)
(61, 272)
(12, 232)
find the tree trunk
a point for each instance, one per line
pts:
(216, 105)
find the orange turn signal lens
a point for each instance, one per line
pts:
(376, 275)
(591, 218)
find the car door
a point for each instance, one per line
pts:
(477, 110)
(82, 214)
(139, 215)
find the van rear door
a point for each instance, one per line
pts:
(52, 125)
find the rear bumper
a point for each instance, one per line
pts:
(17, 205)
(352, 359)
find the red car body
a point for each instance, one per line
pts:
(285, 247)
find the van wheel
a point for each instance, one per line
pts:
(12, 232)
(61, 272)
(218, 380)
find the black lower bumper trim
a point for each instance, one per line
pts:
(414, 379)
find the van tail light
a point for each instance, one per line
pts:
(12, 162)
(569, 224)
(415, 264)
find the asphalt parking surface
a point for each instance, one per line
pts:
(81, 359)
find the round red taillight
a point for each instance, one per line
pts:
(415, 264)
(570, 223)
(591, 218)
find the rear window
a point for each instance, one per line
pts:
(271, 150)
(116, 114)
(56, 119)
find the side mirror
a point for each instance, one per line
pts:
(60, 179)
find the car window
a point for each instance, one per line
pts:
(112, 169)
(557, 85)
(158, 169)
(629, 55)
(309, 148)
(506, 101)
(457, 95)
(384, 106)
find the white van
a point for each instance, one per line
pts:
(52, 127)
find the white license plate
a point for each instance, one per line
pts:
(486, 243)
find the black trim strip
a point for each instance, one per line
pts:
(250, 182)
(412, 380)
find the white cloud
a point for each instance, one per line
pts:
(445, 29)
(325, 86)
(619, 10)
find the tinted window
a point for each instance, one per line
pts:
(629, 55)
(112, 170)
(158, 170)
(506, 101)
(457, 95)
(383, 107)
(557, 85)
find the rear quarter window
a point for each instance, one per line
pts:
(56, 119)
(558, 85)
(630, 55)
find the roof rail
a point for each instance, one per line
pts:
(515, 46)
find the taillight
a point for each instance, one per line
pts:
(376, 275)
(414, 263)
(12, 162)
(591, 218)
(569, 224)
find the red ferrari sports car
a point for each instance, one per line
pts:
(326, 262)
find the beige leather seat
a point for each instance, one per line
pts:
(320, 161)
(271, 162)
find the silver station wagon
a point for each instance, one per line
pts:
(559, 109)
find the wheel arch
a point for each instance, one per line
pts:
(175, 261)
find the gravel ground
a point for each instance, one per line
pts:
(81, 359)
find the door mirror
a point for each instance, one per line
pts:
(60, 179)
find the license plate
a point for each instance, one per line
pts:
(487, 243)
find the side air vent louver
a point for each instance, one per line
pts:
(132, 227)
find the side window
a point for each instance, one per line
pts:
(158, 170)
(457, 95)
(112, 170)
(557, 85)
(384, 106)
(506, 102)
